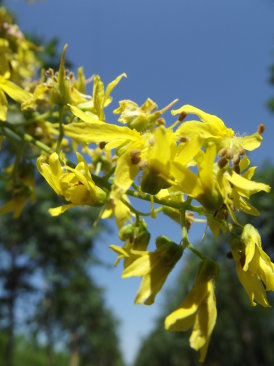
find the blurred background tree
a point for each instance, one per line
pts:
(51, 310)
(47, 290)
(270, 103)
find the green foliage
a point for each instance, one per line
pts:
(29, 354)
(270, 103)
(56, 253)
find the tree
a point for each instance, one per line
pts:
(270, 103)
(57, 254)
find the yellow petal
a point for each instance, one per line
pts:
(3, 106)
(244, 163)
(246, 185)
(87, 132)
(195, 129)
(206, 167)
(248, 207)
(160, 158)
(249, 173)
(51, 171)
(125, 171)
(253, 286)
(266, 270)
(121, 212)
(86, 117)
(149, 288)
(251, 142)
(61, 209)
(203, 351)
(205, 320)
(217, 126)
(249, 237)
(15, 205)
(141, 266)
(183, 318)
(14, 91)
(187, 180)
(188, 150)
(119, 250)
(112, 85)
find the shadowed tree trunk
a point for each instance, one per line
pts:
(48, 327)
(74, 349)
(10, 307)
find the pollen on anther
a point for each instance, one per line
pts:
(261, 128)
(182, 116)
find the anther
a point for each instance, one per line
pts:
(236, 159)
(222, 152)
(49, 72)
(261, 128)
(135, 156)
(161, 122)
(242, 152)
(183, 139)
(182, 116)
(222, 162)
(229, 154)
(102, 144)
(236, 168)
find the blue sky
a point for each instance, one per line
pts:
(214, 54)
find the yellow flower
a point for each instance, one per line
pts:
(22, 189)
(197, 310)
(58, 88)
(101, 98)
(74, 185)
(119, 210)
(212, 128)
(158, 159)
(218, 187)
(154, 267)
(12, 90)
(17, 55)
(15, 205)
(91, 130)
(137, 239)
(21, 196)
(236, 188)
(201, 186)
(138, 118)
(254, 267)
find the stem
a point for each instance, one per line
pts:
(36, 118)
(16, 163)
(27, 138)
(163, 110)
(98, 168)
(61, 130)
(184, 228)
(137, 212)
(186, 243)
(135, 187)
(164, 202)
(196, 251)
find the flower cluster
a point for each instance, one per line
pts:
(197, 165)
